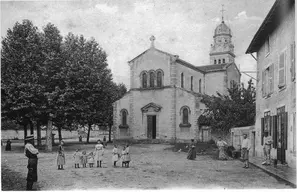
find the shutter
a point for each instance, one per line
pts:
(272, 78)
(263, 84)
(292, 61)
(285, 119)
(281, 69)
(274, 131)
(270, 125)
(262, 130)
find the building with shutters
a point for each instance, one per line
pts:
(163, 102)
(274, 44)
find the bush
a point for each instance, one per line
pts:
(211, 141)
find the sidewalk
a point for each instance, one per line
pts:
(282, 172)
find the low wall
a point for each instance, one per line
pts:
(19, 134)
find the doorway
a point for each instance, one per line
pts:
(281, 134)
(151, 127)
(254, 143)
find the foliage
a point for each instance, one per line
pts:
(44, 73)
(234, 110)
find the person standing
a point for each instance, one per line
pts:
(76, 157)
(221, 145)
(98, 154)
(115, 155)
(31, 152)
(267, 148)
(127, 155)
(8, 145)
(104, 142)
(192, 151)
(245, 147)
(61, 156)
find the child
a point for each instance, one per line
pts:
(123, 158)
(91, 159)
(99, 152)
(84, 159)
(115, 156)
(127, 155)
(76, 157)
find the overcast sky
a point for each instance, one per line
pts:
(123, 28)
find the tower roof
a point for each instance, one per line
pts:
(222, 29)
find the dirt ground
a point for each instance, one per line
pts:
(153, 166)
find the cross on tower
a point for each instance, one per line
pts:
(152, 39)
(222, 13)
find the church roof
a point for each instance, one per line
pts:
(213, 68)
(222, 29)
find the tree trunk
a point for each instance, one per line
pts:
(38, 134)
(88, 136)
(109, 133)
(60, 133)
(25, 132)
(31, 127)
(49, 144)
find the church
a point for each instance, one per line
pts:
(164, 100)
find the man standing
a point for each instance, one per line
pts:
(245, 147)
(31, 152)
(267, 148)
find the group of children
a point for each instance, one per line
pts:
(124, 156)
(97, 156)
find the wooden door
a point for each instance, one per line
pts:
(149, 126)
(281, 135)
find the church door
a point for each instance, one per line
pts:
(151, 126)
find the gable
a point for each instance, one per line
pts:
(151, 107)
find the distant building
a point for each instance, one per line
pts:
(274, 44)
(165, 92)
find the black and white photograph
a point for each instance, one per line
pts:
(148, 95)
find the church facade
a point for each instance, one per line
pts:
(164, 100)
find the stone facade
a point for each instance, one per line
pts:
(164, 100)
(276, 85)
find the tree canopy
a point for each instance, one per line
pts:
(45, 73)
(237, 109)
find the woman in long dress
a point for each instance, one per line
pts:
(98, 154)
(192, 150)
(61, 156)
(221, 145)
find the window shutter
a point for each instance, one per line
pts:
(271, 76)
(274, 131)
(285, 115)
(263, 83)
(293, 72)
(281, 69)
(262, 130)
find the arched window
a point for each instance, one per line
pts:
(159, 79)
(199, 85)
(215, 61)
(219, 61)
(185, 116)
(144, 80)
(223, 60)
(124, 117)
(191, 83)
(152, 79)
(182, 80)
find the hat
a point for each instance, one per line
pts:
(266, 131)
(28, 138)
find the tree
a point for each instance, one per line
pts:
(236, 109)
(20, 70)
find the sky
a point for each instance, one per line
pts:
(123, 28)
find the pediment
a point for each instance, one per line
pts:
(151, 107)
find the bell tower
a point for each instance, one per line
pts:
(222, 49)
